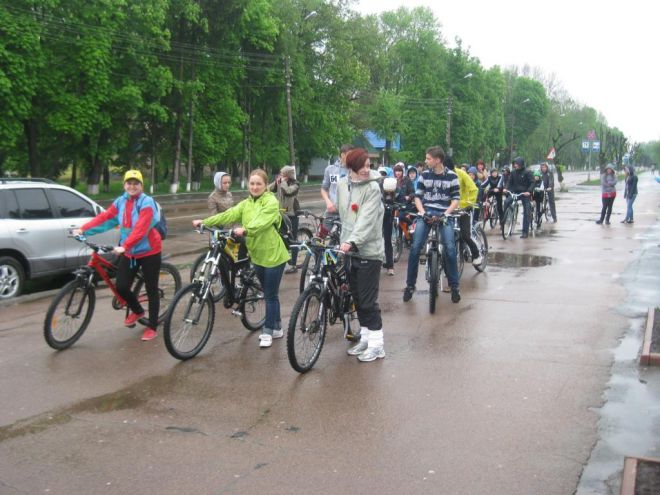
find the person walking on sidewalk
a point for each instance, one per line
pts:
(259, 215)
(630, 193)
(220, 199)
(361, 211)
(608, 193)
(140, 245)
(286, 188)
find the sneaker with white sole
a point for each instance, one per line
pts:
(265, 340)
(477, 261)
(358, 349)
(372, 353)
(278, 334)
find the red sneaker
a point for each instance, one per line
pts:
(149, 334)
(132, 318)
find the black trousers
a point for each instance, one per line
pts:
(126, 270)
(364, 281)
(387, 237)
(606, 211)
(466, 234)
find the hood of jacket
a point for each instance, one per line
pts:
(217, 179)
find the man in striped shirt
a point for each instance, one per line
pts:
(437, 194)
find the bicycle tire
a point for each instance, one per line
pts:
(304, 234)
(169, 283)
(461, 254)
(309, 267)
(252, 306)
(306, 332)
(482, 243)
(54, 319)
(494, 217)
(180, 334)
(396, 240)
(218, 289)
(434, 274)
(508, 222)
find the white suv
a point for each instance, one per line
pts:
(36, 220)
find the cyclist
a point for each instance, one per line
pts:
(521, 181)
(361, 212)
(405, 195)
(136, 214)
(504, 180)
(492, 188)
(437, 194)
(482, 173)
(549, 186)
(259, 215)
(412, 176)
(286, 188)
(468, 192)
(331, 178)
(538, 194)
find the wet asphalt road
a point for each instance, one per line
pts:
(504, 393)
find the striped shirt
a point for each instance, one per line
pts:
(437, 191)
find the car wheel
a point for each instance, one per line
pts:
(12, 277)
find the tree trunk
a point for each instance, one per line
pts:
(74, 175)
(106, 178)
(30, 127)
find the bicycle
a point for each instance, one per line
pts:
(463, 252)
(70, 312)
(510, 215)
(490, 213)
(327, 299)
(400, 236)
(311, 262)
(305, 233)
(189, 320)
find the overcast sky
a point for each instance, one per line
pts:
(605, 57)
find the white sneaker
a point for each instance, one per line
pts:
(358, 349)
(372, 353)
(265, 340)
(278, 334)
(477, 261)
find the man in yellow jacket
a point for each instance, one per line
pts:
(469, 192)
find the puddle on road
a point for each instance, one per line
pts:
(514, 260)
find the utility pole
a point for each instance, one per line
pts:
(287, 73)
(448, 134)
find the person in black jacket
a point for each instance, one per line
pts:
(629, 192)
(549, 185)
(521, 182)
(493, 187)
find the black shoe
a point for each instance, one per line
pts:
(524, 236)
(407, 293)
(599, 222)
(455, 295)
(607, 222)
(631, 221)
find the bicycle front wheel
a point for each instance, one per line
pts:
(218, 288)
(69, 314)
(508, 221)
(308, 269)
(304, 234)
(397, 241)
(434, 274)
(188, 322)
(169, 283)
(253, 306)
(306, 333)
(461, 253)
(494, 217)
(482, 243)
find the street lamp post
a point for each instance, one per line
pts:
(449, 110)
(513, 118)
(289, 117)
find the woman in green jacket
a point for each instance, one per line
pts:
(259, 215)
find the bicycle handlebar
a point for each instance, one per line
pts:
(93, 246)
(215, 231)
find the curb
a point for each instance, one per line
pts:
(649, 358)
(630, 471)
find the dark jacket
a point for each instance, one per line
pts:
(631, 184)
(520, 181)
(548, 179)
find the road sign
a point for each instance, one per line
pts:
(585, 146)
(595, 145)
(591, 135)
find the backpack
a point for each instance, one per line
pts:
(286, 230)
(161, 224)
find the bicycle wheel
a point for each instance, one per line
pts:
(306, 333)
(169, 283)
(507, 223)
(304, 234)
(308, 269)
(397, 241)
(480, 238)
(462, 253)
(69, 314)
(253, 305)
(494, 216)
(433, 279)
(188, 322)
(217, 288)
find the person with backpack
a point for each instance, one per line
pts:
(260, 218)
(286, 188)
(140, 243)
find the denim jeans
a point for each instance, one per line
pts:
(419, 240)
(527, 208)
(270, 279)
(629, 207)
